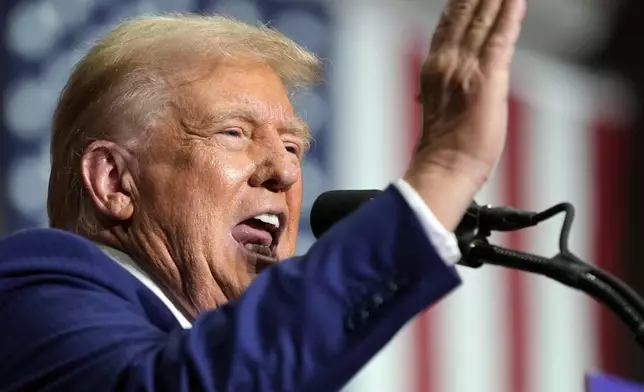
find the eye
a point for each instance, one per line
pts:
(234, 132)
(292, 148)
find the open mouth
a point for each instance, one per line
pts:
(259, 235)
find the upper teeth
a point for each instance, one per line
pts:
(270, 219)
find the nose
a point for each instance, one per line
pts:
(278, 170)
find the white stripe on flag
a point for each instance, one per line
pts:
(369, 141)
(367, 150)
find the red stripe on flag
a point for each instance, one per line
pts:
(414, 63)
(422, 325)
(611, 148)
(514, 195)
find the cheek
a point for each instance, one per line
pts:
(225, 174)
(194, 181)
(294, 201)
(212, 173)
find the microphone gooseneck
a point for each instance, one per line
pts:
(477, 225)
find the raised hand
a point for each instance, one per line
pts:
(464, 92)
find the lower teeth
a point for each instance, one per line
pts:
(261, 249)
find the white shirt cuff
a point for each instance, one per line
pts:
(444, 242)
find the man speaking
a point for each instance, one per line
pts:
(174, 202)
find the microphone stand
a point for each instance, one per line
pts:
(565, 267)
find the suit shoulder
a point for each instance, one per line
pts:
(37, 243)
(44, 256)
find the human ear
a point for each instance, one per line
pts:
(108, 179)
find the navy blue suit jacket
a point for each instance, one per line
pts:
(72, 319)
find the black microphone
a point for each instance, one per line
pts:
(332, 206)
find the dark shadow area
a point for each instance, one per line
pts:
(624, 54)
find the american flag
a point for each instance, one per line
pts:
(501, 331)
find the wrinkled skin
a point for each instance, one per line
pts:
(465, 82)
(236, 152)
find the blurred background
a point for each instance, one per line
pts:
(576, 130)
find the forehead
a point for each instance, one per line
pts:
(255, 85)
(247, 90)
(261, 109)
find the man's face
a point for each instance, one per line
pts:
(224, 189)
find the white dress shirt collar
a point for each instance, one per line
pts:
(131, 266)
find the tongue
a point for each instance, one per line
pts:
(252, 232)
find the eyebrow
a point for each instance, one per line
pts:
(292, 124)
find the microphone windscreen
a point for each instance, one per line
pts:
(332, 206)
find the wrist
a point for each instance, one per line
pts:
(449, 162)
(447, 183)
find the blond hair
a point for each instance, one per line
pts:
(123, 87)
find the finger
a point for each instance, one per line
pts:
(481, 26)
(499, 48)
(453, 24)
